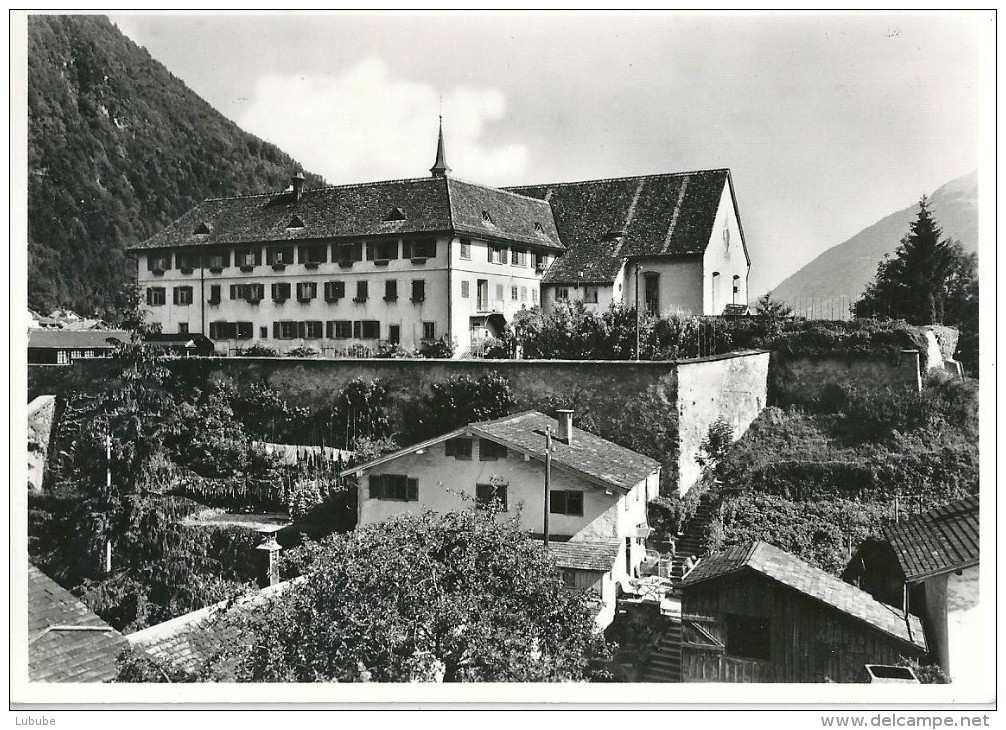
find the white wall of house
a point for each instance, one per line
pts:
(501, 280)
(679, 284)
(595, 297)
(953, 624)
(408, 316)
(724, 264)
(446, 484)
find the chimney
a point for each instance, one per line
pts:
(565, 418)
(298, 186)
(269, 574)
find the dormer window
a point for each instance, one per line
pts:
(395, 214)
(295, 222)
(538, 227)
(486, 218)
(202, 229)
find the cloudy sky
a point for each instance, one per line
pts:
(828, 123)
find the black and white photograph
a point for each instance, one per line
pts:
(513, 357)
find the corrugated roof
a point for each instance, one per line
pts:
(60, 339)
(66, 641)
(591, 455)
(603, 223)
(813, 582)
(429, 205)
(938, 541)
(188, 641)
(598, 556)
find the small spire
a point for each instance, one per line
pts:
(440, 168)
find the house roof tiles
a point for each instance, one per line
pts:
(63, 339)
(66, 641)
(813, 582)
(604, 223)
(938, 541)
(597, 556)
(429, 205)
(590, 455)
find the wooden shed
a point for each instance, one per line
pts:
(755, 613)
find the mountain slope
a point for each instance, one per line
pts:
(117, 149)
(842, 272)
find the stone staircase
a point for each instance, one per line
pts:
(664, 662)
(691, 541)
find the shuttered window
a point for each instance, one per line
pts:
(486, 494)
(393, 487)
(281, 292)
(566, 502)
(334, 290)
(459, 448)
(155, 296)
(490, 450)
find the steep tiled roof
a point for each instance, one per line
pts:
(941, 540)
(60, 339)
(429, 205)
(597, 556)
(605, 222)
(66, 641)
(187, 641)
(590, 455)
(794, 573)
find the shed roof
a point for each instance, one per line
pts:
(420, 205)
(596, 555)
(811, 581)
(67, 642)
(187, 641)
(63, 339)
(939, 541)
(604, 223)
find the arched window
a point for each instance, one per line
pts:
(716, 292)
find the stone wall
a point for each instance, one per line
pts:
(729, 388)
(41, 411)
(635, 404)
(805, 380)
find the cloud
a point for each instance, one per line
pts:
(367, 125)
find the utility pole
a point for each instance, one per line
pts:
(548, 475)
(108, 491)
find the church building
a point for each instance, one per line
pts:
(349, 269)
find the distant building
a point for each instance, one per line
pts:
(929, 564)
(597, 500)
(351, 268)
(66, 641)
(755, 613)
(63, 346)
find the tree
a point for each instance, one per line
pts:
(463, 596)
(772, 308)
(925, 274)
(461, 400)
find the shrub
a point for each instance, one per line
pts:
(258, 350)
(461, 400)
(303, 351)
(443, 349)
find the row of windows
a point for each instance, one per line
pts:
(517, 294)
(310, 254)
(403, 488)
(461, 448)
(337, 329)
(345, 254)
(306, 291)
(590, 294)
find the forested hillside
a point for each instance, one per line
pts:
(117, 149)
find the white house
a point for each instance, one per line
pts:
(597, 494)
(669, 242)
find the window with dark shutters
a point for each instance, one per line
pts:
(277, 332)
(361, 291)
(155, 296)
(486, 494)
(419, 290)
(214, 294)
(306, 291)
(565, 502)
(313, 329)
(281, 292)
(490, 450)
(334, 290)
(391, 290)
(371, 329)
(244, 330)
(357, 330)
(302, 330)
(393, 487)
(459, 448)
(347, 253)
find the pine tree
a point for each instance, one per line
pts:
(916, 284)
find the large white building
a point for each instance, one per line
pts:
(408, 262)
